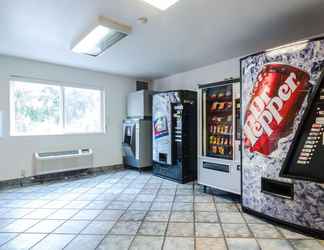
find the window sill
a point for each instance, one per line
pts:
(66, 134)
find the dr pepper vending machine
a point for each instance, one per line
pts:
(282, 138)
(219, 136)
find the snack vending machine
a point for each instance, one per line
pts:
(175, 135)
(219, 136)
(282, 139)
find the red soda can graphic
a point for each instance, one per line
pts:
(277, 97)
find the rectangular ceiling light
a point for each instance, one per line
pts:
(161, 4)
(105, 33)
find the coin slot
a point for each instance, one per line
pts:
(163, 157)
(277, 188)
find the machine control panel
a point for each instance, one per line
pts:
(177, 115)
(305, 158)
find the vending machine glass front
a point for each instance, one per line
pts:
(218, 121)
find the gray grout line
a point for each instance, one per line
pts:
(220, 224)
(142, 221)
(119, 218)
(290, 243)
(168, 222)
(194, 215)
(9, 240)
(46, 235)
(113, 226)
(76, 235)
(123, 180)
(247, 225)
(65, 221)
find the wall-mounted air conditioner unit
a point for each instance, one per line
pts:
(56, 162)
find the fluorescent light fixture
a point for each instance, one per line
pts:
(288, 48)
(161, 4)
(104, 34)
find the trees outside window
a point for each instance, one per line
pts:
(40, 109)
(82, 110)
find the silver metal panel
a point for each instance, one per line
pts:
(145, 145)
(138, 134)
(139, 104)
(141, 155)
(230, 182)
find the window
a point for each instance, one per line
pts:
(82, 110)
(41, 109)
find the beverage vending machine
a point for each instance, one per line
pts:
(219, 136)
(175, 135)
(283, 122)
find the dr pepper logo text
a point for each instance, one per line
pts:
(277, 97)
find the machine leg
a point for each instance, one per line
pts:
(205, 189)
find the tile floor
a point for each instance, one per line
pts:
(128, 210)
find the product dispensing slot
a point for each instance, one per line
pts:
(163, 157)
(217, 167)
(277, 188)
(128, 135)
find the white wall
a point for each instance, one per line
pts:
(17, 152)
(190, 80)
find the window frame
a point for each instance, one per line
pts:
(62, 86)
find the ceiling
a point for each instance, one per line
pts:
(191, 34)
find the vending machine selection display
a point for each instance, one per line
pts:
(219, 122)
(282, 122)
(305, 158)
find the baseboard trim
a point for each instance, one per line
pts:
(75, 174)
